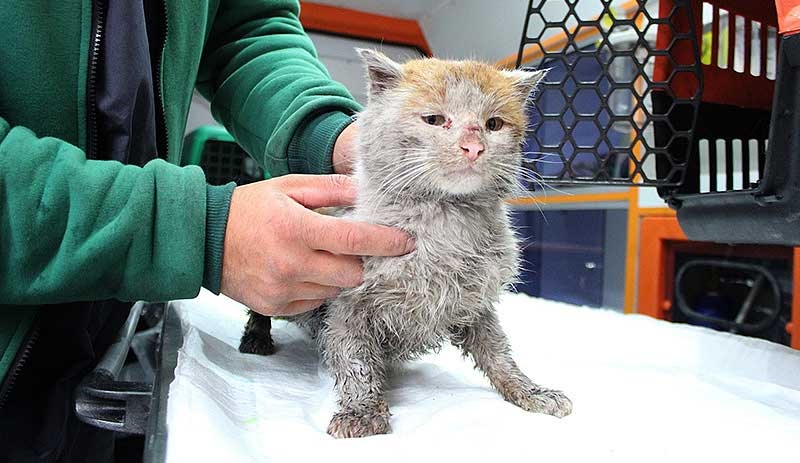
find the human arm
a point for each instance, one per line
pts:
(266, 85)
(344, 150)
(73, 229)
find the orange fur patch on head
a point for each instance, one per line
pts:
(427, 81)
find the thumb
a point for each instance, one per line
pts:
(313, 191)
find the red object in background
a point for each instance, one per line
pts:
(721, 85)
(358, 24)
(788, 16)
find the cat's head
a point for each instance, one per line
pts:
(442, 128)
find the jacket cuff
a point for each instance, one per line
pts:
(218, 201)
(311, 148)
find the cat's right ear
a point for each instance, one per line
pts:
(383, 73)
(524, 81)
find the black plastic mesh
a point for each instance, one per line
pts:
(225, 161)
(596, 114)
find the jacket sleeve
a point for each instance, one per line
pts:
(73, 229)
(266, 86)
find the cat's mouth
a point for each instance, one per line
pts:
(465, 179)
(465, 170)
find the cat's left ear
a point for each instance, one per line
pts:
(525, 81)
(383, 73)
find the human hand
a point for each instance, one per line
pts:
(281, 258)
(344, 149)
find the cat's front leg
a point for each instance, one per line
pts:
(487, 343)
(357, 363)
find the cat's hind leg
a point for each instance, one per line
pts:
(257, 338)
(487, 343)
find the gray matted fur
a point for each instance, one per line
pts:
(413, 174)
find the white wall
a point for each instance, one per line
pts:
(491, 30)
(339, 56)
(481, 29)
(648, 197)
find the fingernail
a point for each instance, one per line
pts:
(411, 244)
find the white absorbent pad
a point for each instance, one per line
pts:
(642, 390)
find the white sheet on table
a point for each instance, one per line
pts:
(643, 390)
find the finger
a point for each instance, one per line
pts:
(343, 236)
(297, 307)
(338, 271)
(315, 291)
(313, 191)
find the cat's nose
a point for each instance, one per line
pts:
(472, 149)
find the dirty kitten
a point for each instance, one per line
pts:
(438, 150)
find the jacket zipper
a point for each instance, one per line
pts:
(98, 30)
(19, 362)
(162, 140)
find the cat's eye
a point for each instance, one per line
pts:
(434, 119)
(494, 123)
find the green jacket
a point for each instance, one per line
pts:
(73, 229)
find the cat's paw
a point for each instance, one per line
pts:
(359, 423)
(254, 344)
(538, 400)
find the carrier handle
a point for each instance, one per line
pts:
(738, 325)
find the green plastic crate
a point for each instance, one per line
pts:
(214, 150)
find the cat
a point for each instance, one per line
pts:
(438, 151)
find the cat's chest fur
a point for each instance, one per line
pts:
(452, 239)
(465, 254)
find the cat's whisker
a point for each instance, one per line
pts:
(536, 177)
(525, 193)
(541, 153)
(544, 161)
(426, 171)
(389, 184)
(551, 187)
(538, 205)
(523, 174)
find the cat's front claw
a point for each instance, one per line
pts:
(359, 423)
(539, 400)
